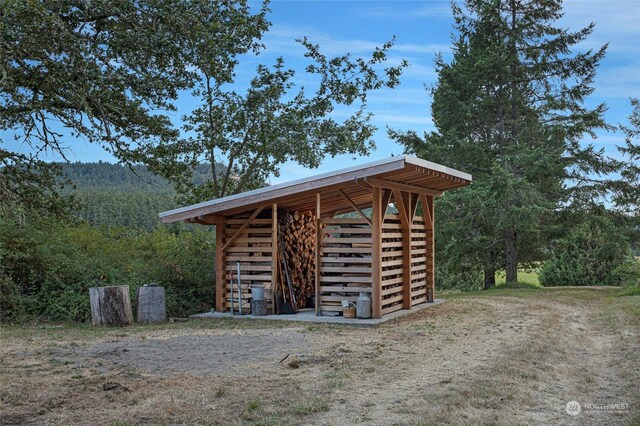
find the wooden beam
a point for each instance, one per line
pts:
(414, 206)
(220, 261)
(317, 253)
(403, 212)
(427, 211)
(386, 198)
(381, 183)
(352, 204)
(242, 228)
(274, 254)
(377, 216)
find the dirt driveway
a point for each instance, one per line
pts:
(503, 357)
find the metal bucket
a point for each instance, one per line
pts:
(257, 292)
(363, 306)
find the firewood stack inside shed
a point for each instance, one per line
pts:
(299, 241)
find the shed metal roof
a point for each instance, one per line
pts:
(300, 194)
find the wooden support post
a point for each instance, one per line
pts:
(220, 263)
(274, 254)
(377, 216)
(318, 263)
(404, 211)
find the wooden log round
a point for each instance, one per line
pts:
(151, 305)
(110, 305)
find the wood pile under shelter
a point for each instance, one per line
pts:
(316, 242)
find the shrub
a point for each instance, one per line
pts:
(47, 268)
(593, 253)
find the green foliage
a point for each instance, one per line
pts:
(593, 253)
(274, 121)
(105, 194)
(107, 72)
(47, 267)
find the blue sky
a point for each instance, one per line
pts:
(423, 28)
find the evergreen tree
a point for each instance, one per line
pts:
(509, 108)
(627, 195)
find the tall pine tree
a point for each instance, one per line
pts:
(510, 108)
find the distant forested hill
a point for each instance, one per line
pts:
(108, 194)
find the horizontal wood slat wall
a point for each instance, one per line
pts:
(344, 268)
(421, 257)
(392, 264)
(254, 249)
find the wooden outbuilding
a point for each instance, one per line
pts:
(388, 252)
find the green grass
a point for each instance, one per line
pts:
(523, 277)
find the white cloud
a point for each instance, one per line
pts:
(440, 9)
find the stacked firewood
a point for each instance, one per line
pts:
(299, 238)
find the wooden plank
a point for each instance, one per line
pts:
(252, 259)
(334, 308)
(392, 281)
(418, 301)
(350, 269)
(328, 259)
(326, 230)
(376, 275)
(254, 249)
(343, 279)
(396, 262)
(392, 299)
(343, 289)
(253, 240)
(392, 244)
(338, 298)
(391, 309)
(348, 240)
(342, 221)
(220, 261)
(250, 230)
(391, 253)
(363, 250)
(248, 267)
(352, 204)
(246, 277)
(243, 227)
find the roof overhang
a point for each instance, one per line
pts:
(404, 172)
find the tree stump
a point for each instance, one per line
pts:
(110, 305)
(151, 304)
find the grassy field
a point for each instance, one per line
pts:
(503, 356)
(528, 277)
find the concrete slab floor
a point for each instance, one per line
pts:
(308, 315)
